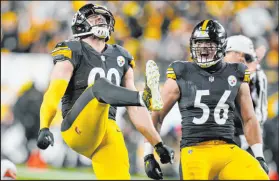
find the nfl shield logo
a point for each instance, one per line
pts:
(103, 57)
(211, 79)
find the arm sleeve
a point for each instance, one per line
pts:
(66, 51)
(174, 70)
(51, 100)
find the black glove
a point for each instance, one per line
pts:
(45, 139)
(165, 153)
(263, 164)
(152, 168)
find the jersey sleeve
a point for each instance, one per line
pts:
(243, 72)
(174, 70)
(128, 57)
(66, 51)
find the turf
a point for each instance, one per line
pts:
(25, 173)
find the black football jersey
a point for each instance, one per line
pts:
(89, 65)
(207, 100)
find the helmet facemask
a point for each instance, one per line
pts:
(203, 52)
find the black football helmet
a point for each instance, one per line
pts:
(82, 28)
(208, 43)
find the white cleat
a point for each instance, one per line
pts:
(152, 82)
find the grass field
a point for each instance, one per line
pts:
(24, 173)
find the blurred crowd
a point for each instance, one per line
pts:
(158, 30)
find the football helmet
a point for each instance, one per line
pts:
(82, 27)
(208, 43)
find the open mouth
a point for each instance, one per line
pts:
(204, 57)
(204, 54)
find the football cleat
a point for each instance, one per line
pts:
(151, 94)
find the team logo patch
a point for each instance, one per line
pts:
(120, 61)
(232, 80)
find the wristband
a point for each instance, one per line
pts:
(148, 148)
(257, 150)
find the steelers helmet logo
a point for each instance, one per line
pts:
(120, 61)
(232, 80)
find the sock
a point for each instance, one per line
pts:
(108, 93)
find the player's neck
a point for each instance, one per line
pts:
(98, 45)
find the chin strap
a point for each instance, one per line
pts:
(100, 32)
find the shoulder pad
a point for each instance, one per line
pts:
(243, 72)
(126, 54)
(175, 69)
(73, 44)
(66, 50)
(68, 44)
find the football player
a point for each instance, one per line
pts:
(206, 90)
(88, 75)
(240, 49)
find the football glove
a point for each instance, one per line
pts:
(152, 168)
(263, 164)
(165, 153)
(45, 139)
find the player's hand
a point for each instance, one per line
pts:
(152, 168)
(165, 153)
(45, 139)
(263, 164)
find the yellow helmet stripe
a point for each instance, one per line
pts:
(204, 25)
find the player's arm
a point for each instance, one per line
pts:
(170, 94)
(251, 125)
(142, 121)
(59, 80)
(140, 115)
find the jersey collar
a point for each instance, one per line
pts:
(107, 51)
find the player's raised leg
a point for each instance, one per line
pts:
(84, 126)
(89, 114)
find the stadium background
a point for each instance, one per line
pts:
(155, 30)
